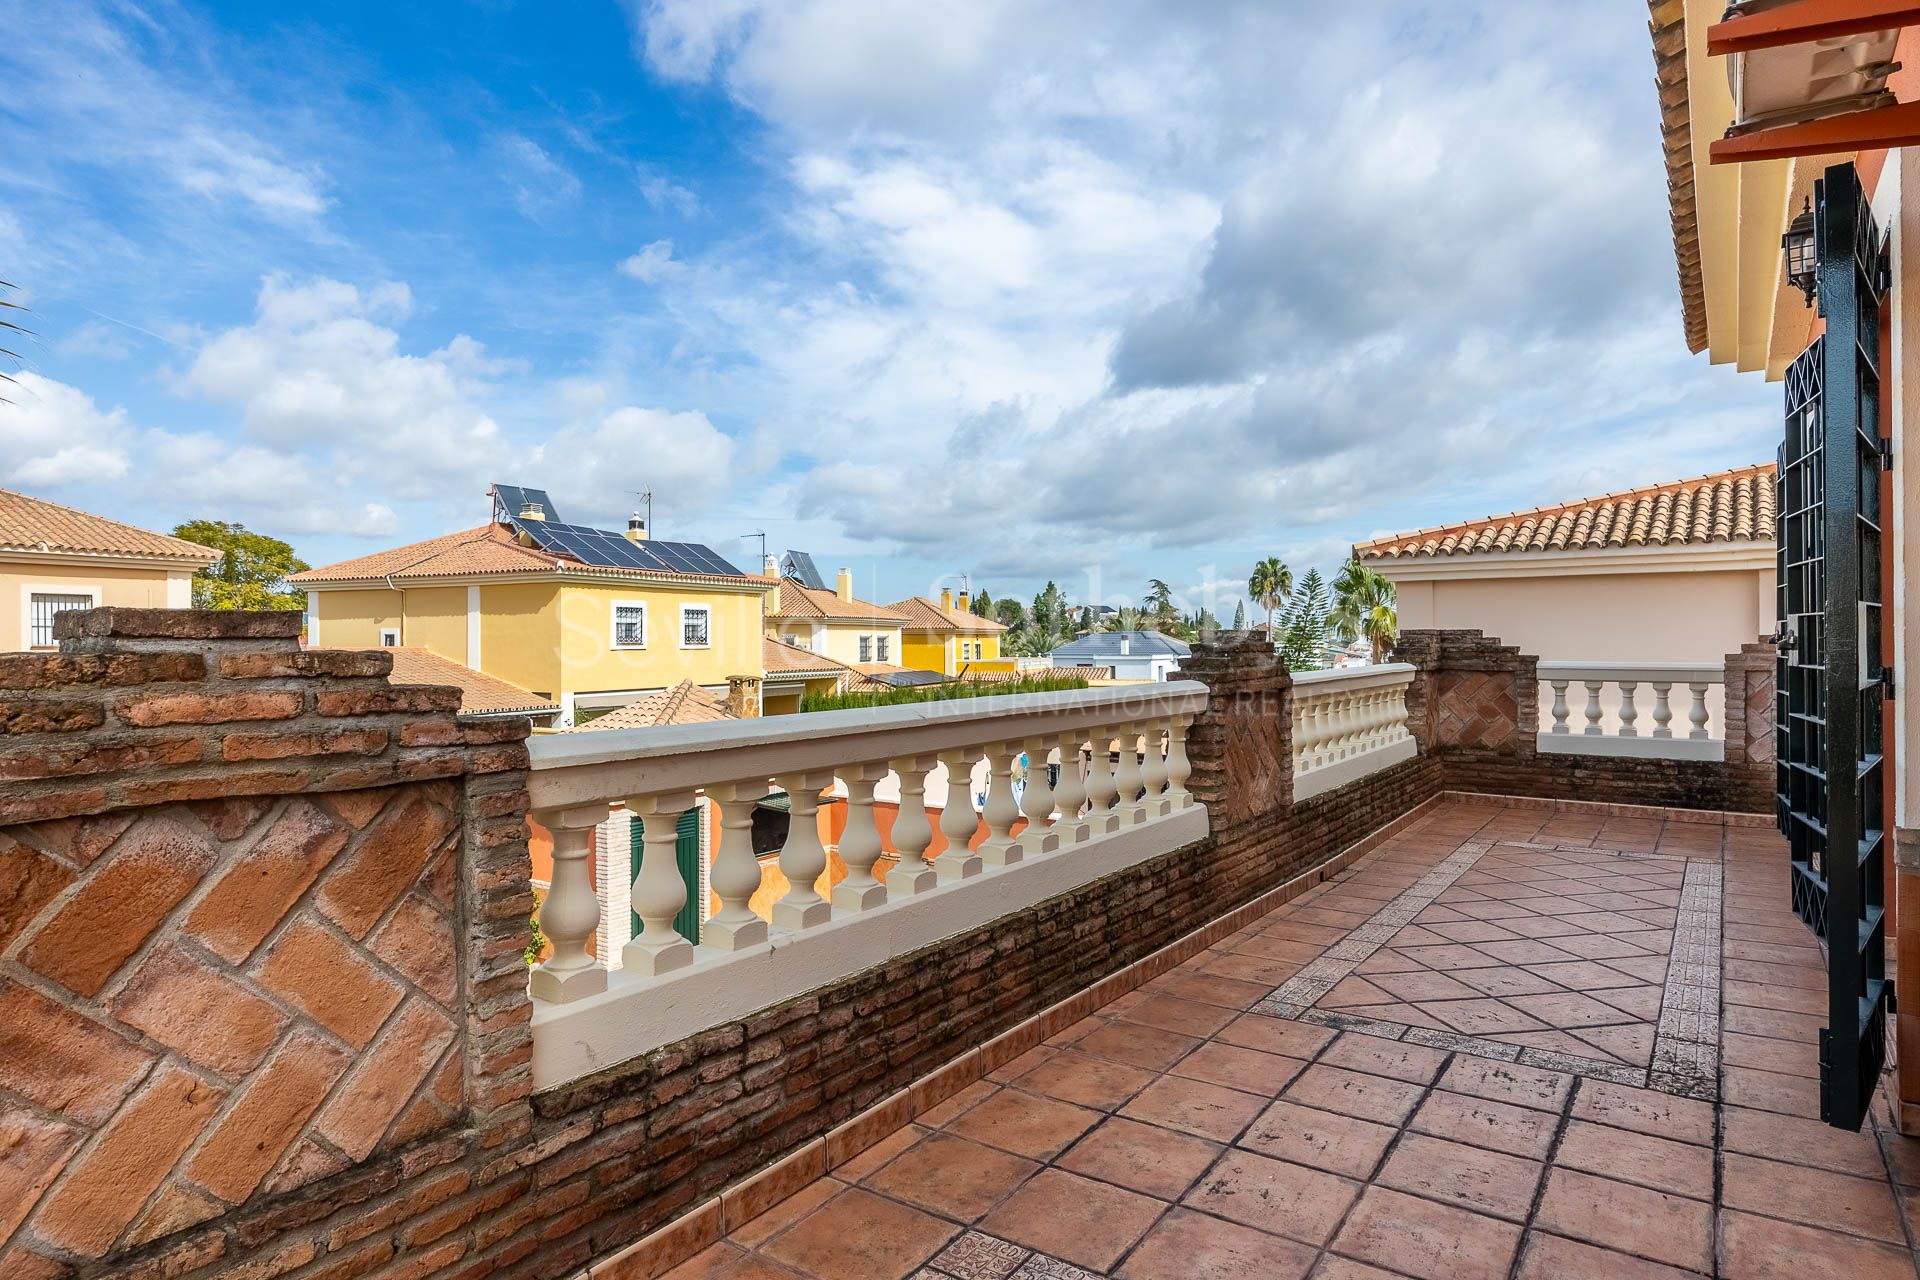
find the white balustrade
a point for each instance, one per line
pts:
(588, 1016)
(1347, 723)
(1611, 709)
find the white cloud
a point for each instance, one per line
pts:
(682, 457)
(53, 435)
(652, 264)
(663, 195)
(538, 183)
(317, 370)
(1145, 280)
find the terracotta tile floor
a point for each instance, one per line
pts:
(1512, 1042)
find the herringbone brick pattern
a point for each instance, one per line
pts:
(1476, 708)
(205, 1002)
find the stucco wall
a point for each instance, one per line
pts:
(1627, 617)
(134, 586)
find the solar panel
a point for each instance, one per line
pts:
(511, 498)
(606, 549)
(800, 567)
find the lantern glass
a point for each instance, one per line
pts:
(1801, 260)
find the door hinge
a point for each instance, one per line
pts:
(1884, 447)
(1886, 682)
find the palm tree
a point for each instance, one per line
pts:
(1270, 585)
(1364, 607)
(1158, 604)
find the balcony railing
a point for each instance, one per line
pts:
(1120, 799)
(1349, 723)
(1651, 709)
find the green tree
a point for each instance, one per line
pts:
(983, 604)
(1009, 613)
(1050, 612)
(252, 574)
(1239, 615)
(1363, 608)
(1305, 643)
(1270, 585)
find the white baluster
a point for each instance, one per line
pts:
(1070, 795)
(1593, 705)
(1036, 802)
(803, 859)
(1000, 849)
(1102, 791)
(658, 891)
(860, 842)
(1179, 767)
(1697, 713)
(912, 833)
(1559, 706)
(1127, 776)
(957, 820)
(736, 872)
(1153, 772)
(1628, 712)
(569, 912)
(1662, 709)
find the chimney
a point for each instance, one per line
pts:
(743, 696)
(843, 584)
(1126, 645)
(946, 599)
(769, 567)
(636, 528)
(961, 603)
(532, 511)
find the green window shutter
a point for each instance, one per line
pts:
(687, 851)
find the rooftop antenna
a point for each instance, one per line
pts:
(762, 535)
(646, 496)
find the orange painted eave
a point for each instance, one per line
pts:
(1895, 126)
(1806, 22)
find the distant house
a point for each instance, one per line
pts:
(586, 618)
(1133, 655)
(835, 624)
(1677, 572)
(948, 637)
(54, 558)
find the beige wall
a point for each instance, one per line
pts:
(118, 584)
(1696, 616)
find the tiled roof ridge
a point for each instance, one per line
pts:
(823, 603)
(1663, 514)
(160, 545)
(921, 609)
(498, 540)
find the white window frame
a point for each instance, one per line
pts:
(385, 642)
(707, 611)
(31, 589)
(883, 648)
(613, 623)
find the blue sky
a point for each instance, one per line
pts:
(1041, 290)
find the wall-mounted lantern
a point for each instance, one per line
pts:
(1797, 244)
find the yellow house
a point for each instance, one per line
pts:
(834, 624)
(521, 602)
(946, 638)
(54, 558)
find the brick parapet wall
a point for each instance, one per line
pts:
(1748, 719)
(1474, 707)
(246, 957)
(521, 1185)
